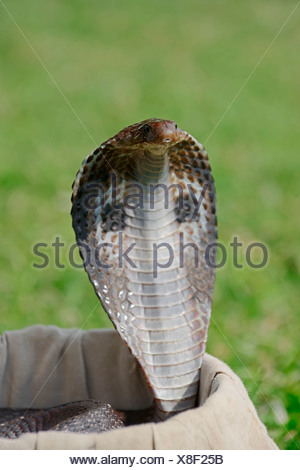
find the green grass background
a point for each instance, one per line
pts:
(121, 62)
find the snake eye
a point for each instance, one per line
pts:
(146, 130)
(175, 126)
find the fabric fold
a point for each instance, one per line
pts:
(44, 366)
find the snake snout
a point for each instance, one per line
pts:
(161, 132)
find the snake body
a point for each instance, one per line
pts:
(144, 217)
(82, 416)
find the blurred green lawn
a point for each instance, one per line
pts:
(121, 62)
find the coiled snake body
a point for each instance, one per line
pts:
(144, 217)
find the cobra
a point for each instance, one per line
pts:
(147, 188)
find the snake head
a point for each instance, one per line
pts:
(155, 135)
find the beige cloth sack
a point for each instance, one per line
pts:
(47, 366)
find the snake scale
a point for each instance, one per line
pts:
(144, 216)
